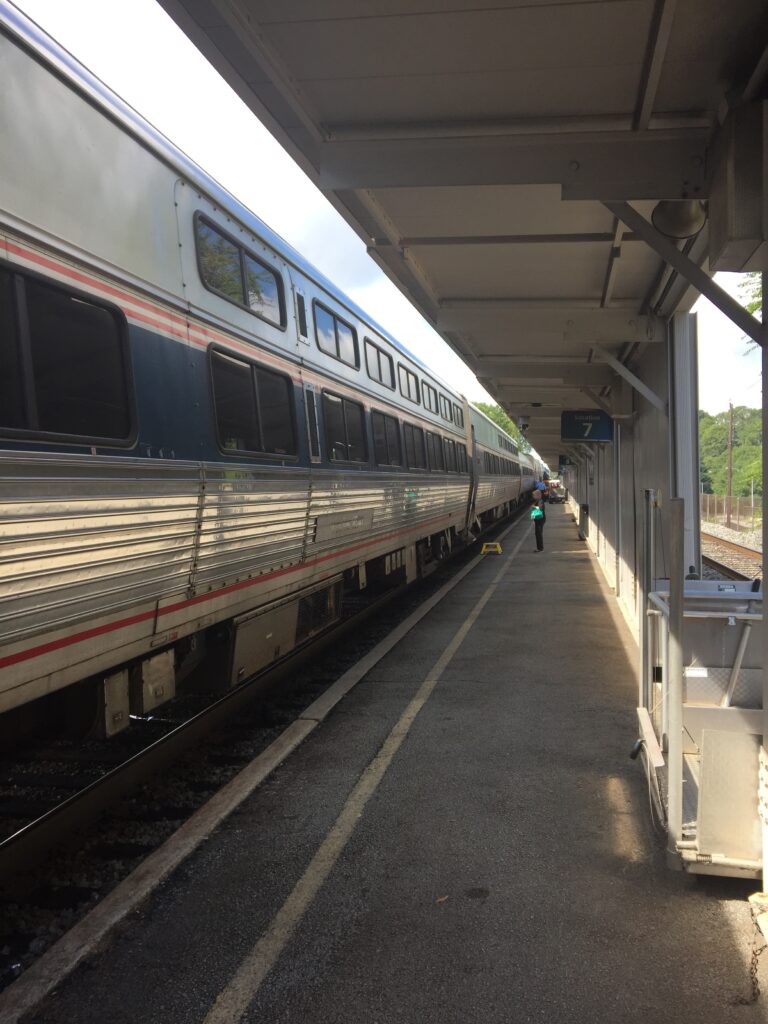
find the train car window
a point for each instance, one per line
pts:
(429, 396)
(379, 364)
(344, 429)
(219, 262)
(273, 392)
(409, 383)
(262, 290)
(393, 441)
(235, 403)
(334, 337)
(386, 440)
(445, 408)
(77, 365)
(415, 456)
(354, 418)
(458, 415)
(325, 328)
(346, 338)
(335, 430)
(312, 429)
(236, 274)
(12, 412)
(461, 458)
(435, 452)
(252, 406)
(449, 449)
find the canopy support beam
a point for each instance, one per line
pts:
(688, 269)
(634, 380)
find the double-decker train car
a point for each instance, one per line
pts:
(203, 445)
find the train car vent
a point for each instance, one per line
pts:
(302, 311)
(314, 436)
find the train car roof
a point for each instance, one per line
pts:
(495, 425)
(75, 74)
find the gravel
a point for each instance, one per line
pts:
(749, 538)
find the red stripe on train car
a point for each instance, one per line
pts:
(109, 627)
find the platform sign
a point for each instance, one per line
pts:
(586, 425)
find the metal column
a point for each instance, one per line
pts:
(684, 456)
(675, 683)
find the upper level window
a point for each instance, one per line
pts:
(253, 406)
(386, 440)
(458, 415)
(429, 396)
(344, 429)
(64, 365)
(335, 337)
(445, 408)
(380, 364)
(228, 269)
(409, 383)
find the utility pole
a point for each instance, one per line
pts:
(729, 467)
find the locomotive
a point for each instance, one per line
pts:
(204, 446)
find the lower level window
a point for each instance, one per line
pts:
(386, 440)
(344, 429)
(415, 454)
(64, 366)
(253, 406)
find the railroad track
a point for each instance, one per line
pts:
(75, 819)
(734, 561)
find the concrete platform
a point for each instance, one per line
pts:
(499, 868)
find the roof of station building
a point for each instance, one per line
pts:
(473, 145)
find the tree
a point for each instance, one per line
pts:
(751, 293)
(751, 289)
(501, 419)
(747, 451)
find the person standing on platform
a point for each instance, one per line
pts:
(537, 515)
(538, 497)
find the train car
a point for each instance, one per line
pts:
(204, 445)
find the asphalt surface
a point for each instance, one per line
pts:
(504, 871)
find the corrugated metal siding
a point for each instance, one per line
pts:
(356, 509)
(253, 522)
(85, 535)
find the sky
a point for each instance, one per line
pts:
(142, 55)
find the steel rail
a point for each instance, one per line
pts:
(30, 844)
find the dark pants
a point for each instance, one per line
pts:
(538, 525)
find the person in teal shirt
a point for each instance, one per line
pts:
(537, 515)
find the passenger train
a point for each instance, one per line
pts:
(204, 446)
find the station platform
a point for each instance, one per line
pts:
(463, 840)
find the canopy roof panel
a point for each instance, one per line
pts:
(472, 145)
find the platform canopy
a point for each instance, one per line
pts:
(474, 147)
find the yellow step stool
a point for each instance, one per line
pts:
(491, 549)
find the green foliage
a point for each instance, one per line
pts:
(747, 451)
(500, 418)
(751, 296)
(751, 289)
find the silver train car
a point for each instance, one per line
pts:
(203, 445)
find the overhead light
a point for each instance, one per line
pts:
(679, 218)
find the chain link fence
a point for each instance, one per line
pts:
(736, 513)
